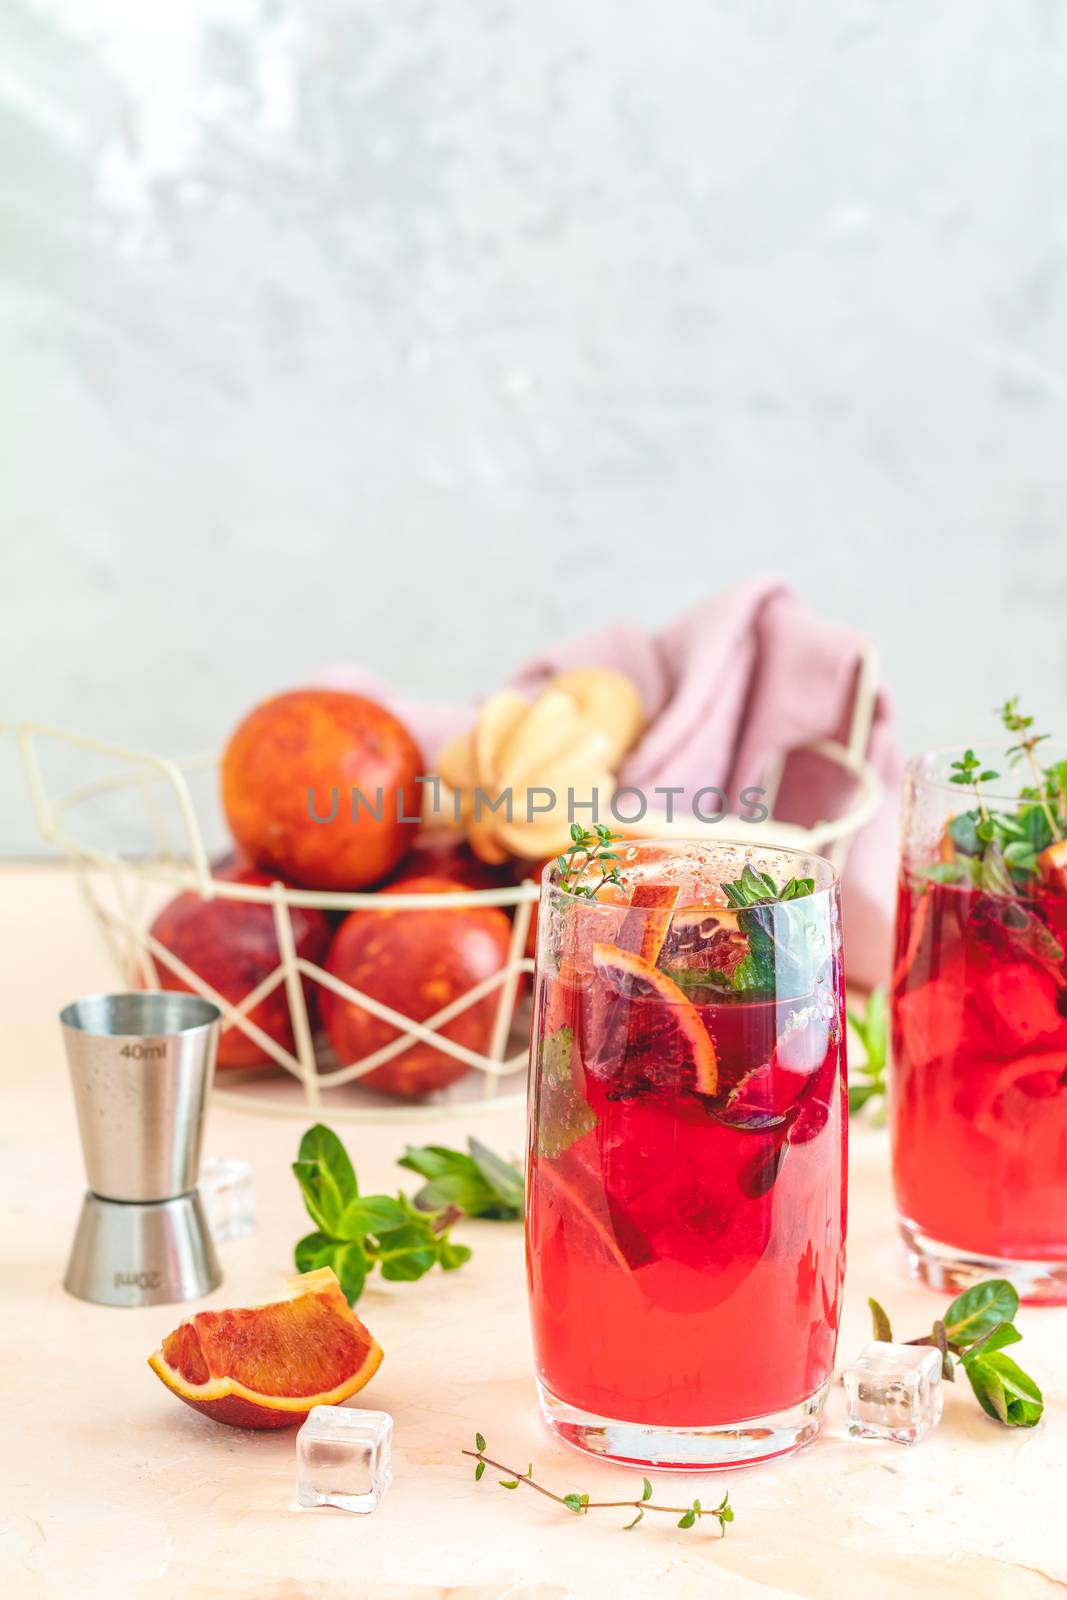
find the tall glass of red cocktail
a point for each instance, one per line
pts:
(978, 1085)
(686, 1164)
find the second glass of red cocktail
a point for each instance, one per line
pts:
(978, 1101)
(686, 1163)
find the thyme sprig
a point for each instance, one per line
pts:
(966, 772)
(588, 849)
(580, 1504)
(1020, 725)
(1001, 852)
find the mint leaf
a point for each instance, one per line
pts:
(407, 1254)
(451, 1255)
(880, 1322)
(963, 831)
(872, 1027)
(966, 870)
(348, 1261)
(454, 1180)
(322, 1198)
(313, 1251)
(502, 1177)
(978, 1310)
(1004, 1390)
(997, 1338)
(996, 879)
(481, 1184)
(322, 1144)
(350, 1264)
(375, 1214)
(563, 1116)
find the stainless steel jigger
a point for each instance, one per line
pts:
(141, 1066)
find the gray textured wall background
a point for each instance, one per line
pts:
(420, 331)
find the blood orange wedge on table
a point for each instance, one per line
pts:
(266, 1366)
(655, 1035)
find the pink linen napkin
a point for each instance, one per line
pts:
(746, 677)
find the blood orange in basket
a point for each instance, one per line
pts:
(266, 1366)
(646, 1030)
(416, 962)
(232, 945)
(292, 777)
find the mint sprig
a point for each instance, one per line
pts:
(867, 1084)
(480, 1183)
(356, 1234)
(765, 915)
(754, 888)
(973, 1333)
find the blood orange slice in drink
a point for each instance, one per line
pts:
(643, 1029)
(648, 920)
(266, 1366)
(704, 939)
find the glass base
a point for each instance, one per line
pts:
(942, 1266)
(693, 1449)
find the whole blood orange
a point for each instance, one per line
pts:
(415, 962)
(443, 853)
(233, 946)
(302, 756)
(266, 1366)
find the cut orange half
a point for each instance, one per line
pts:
(266, 1366)
(645, 924)
(663, 1029)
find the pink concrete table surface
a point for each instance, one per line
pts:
(111, 1487)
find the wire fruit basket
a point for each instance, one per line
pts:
(125, 891)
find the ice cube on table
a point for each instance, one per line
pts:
(894, 1392)
(228, 1197)
(342, 1458)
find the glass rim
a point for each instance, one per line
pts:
(914, 768)
(746, 847)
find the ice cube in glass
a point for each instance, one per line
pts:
(228, 1197)
(894, 1392)
(342, 1458)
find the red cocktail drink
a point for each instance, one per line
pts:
(979, 1080)
(686, 1192)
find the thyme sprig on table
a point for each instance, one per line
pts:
(588, 850)
(974, 1331)
(580, 1504)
